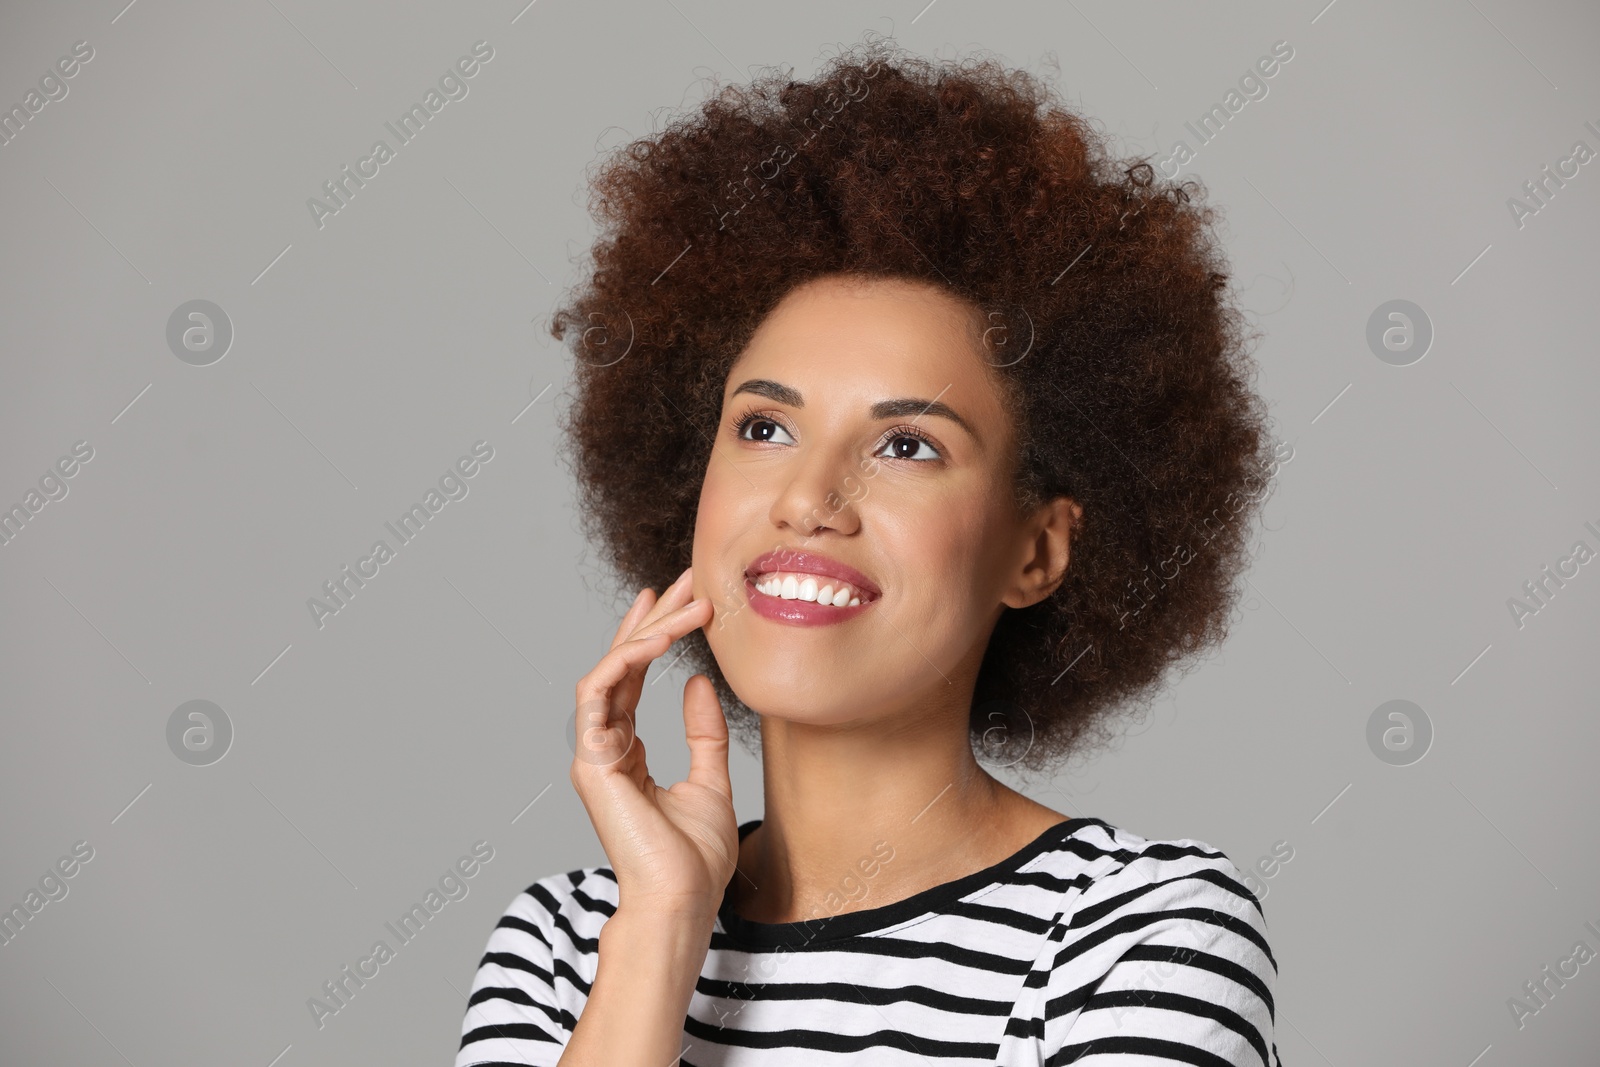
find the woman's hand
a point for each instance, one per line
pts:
(673, 850)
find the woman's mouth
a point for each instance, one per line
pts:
(803, 599)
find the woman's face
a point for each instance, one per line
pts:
(916, 497)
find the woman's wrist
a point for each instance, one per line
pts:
(679, 910)
(643, 926)
(650, 961)
(659, 950)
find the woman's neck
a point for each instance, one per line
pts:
(853, 822)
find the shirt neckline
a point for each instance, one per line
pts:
(796, 935)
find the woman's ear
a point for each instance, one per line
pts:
(1046, 549)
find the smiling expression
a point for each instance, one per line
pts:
(863, 448)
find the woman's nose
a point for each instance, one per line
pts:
(814, 498)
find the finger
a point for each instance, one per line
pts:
(602, 740)
(675, 624)
(630, 660)
(675, 596)
(706, 728)
(615, 665)
(636, 611)
(612, 796)
(641, 607)
(637, 769)
(678, 621)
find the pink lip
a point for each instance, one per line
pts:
(806, 612)
(790, 559)
(799, 612)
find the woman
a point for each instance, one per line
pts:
(942, 423)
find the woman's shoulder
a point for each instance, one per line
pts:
(591, 883)
(1134, 887)
(1106, 849)
(573, 903)
(1112, 867)
(1154, 930)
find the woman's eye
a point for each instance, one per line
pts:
(762, 430)
(907, 446)
(901, 445)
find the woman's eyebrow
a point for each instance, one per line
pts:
(883, 409)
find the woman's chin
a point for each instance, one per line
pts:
(813, 705)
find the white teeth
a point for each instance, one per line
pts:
(805, 587)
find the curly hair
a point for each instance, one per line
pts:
(1131, 394)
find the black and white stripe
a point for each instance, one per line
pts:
(1091, 946)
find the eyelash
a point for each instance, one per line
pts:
(754, 415)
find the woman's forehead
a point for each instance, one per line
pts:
(884, 338)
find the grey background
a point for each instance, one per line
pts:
(369, 354)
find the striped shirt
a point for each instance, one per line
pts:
(1090, 945)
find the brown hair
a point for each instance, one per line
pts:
(1123, 362)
